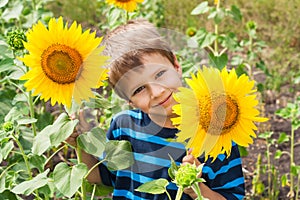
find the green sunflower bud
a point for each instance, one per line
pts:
(15, 39)
(8, 126)
(191, 31)
(187, 175)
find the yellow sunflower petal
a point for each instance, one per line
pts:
(220, 106)
(59, 57)
(128, 5)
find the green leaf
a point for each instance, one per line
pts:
(217, 15)
(93, 142)
(157, 186)
(201, 8)
(218, 61)
(284, 180)
(53, 135)
(6, 64)
(173, 168)
(44, 119)
(25, 121)
(27, 187)
(12, 13)
(68, 179)
(118, 154)
(5, 150)
(205, 38)
(3, 3)
(278, 154)
(283, 137)
(243, 151)
(65, 130)
(266, 135)
(41, 142)
(37, 161)
(236, 13)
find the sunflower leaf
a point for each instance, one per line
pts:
(27, 187)
(93, 142)
(154, 187)
(118, 154)
(53, 135)
(68, 179)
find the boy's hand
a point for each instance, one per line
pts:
(82, 127)
(190, 159)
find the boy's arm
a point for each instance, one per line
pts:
(90, 161)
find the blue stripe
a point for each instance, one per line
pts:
(136, 177)
(212, 175)
(146, 137)
(232, 184)
(127, 194)
(239, 196)
(137, 115)
(142, 179)
(152, 160)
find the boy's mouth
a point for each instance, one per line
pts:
(163, 102)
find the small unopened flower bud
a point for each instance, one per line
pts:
(15, 39)
(251, 25)
(187, 175)
(7, 126)
(191, 31)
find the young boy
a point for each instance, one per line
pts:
(145, 72)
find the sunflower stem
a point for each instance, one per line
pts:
(269, 168)
(179, 193)
(197, 190)
(127, 16)
(83, 186)
(216, 48)
(31, 109)
(292, 163)
(26, 162)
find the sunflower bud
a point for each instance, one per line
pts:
(187, 175)
(191, 31)
(7, 126)
(15, 39)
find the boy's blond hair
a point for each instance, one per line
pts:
(127, 44)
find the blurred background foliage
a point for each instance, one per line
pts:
(278, 26)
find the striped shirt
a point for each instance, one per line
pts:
(152, 152)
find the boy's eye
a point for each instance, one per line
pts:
(138, 90)
(159, 74)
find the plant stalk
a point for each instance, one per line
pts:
(292, 163)
(31, 109)
(179, 193)
(83, 186)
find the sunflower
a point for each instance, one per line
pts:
(218, 108)
(64, 62)
(128, 5)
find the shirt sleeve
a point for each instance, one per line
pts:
(225, 175)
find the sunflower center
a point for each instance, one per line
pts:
(218, 113)
(124, 1)
(61, 63)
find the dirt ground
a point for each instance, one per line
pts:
(272, 101)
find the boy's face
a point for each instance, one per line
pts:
(150, 87)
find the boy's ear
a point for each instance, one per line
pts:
(177, 66)
(130, 103)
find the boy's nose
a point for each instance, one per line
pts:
(156, 89)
